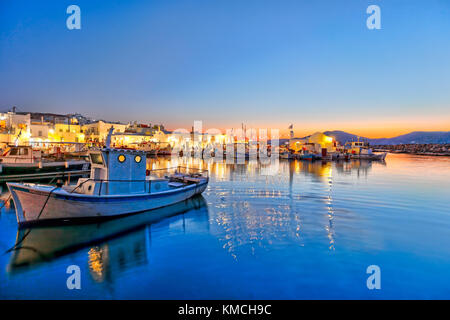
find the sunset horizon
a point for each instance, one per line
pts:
(281, 64)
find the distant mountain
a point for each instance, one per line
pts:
(343, 136)
(418, 137)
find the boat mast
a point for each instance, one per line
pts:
(108, 138)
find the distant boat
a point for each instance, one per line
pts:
(19, 163)
(360, 150)
(155, 148)
(119, 184)
(309, 156)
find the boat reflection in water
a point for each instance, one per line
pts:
(115, 245)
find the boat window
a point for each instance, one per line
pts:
(19, 152)
(137, 159)
(121, 158)
(96, 158)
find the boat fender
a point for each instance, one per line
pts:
(147, 172)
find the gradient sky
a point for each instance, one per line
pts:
(265, 63)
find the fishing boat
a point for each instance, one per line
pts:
(119, 184)
(360, 150)
(309, 156)
(19, 163)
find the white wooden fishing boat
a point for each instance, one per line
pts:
(19, 163)
(360, 150)
(119, 184)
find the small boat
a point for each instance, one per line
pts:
(360, 150)
(119, 184)
(24, 163)
(370, 156)
(309, 156)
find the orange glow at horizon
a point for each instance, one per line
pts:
(385, 128)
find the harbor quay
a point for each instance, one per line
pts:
(72, 135)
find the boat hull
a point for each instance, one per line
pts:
(15, 171)
(373, 156)
(57, 204)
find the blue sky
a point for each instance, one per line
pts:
(265, 63)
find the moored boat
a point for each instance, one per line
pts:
(361, 150)
(309, 156)
(119, 184)
(24, 163)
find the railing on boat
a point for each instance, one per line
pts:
(197, 173)
(179, 169)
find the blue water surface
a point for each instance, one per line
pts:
(296, 230)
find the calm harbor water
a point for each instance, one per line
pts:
(298, 230)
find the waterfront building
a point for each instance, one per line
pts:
(98, 131)
(63, 132)
(184, 140)
(39, 131)
(136, 134)
(314, 143)
(14, 128)
(44, 130)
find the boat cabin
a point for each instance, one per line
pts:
(21, 154)
(119, 171)
(359, 147)
(357, 144)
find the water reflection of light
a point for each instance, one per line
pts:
(329, 227)
(242, 225)
(240, 219)
(97, 258)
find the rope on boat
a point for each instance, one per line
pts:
(6, 201)
(13, 248)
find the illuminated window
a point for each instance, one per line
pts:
(121, 158)
(137, 159)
